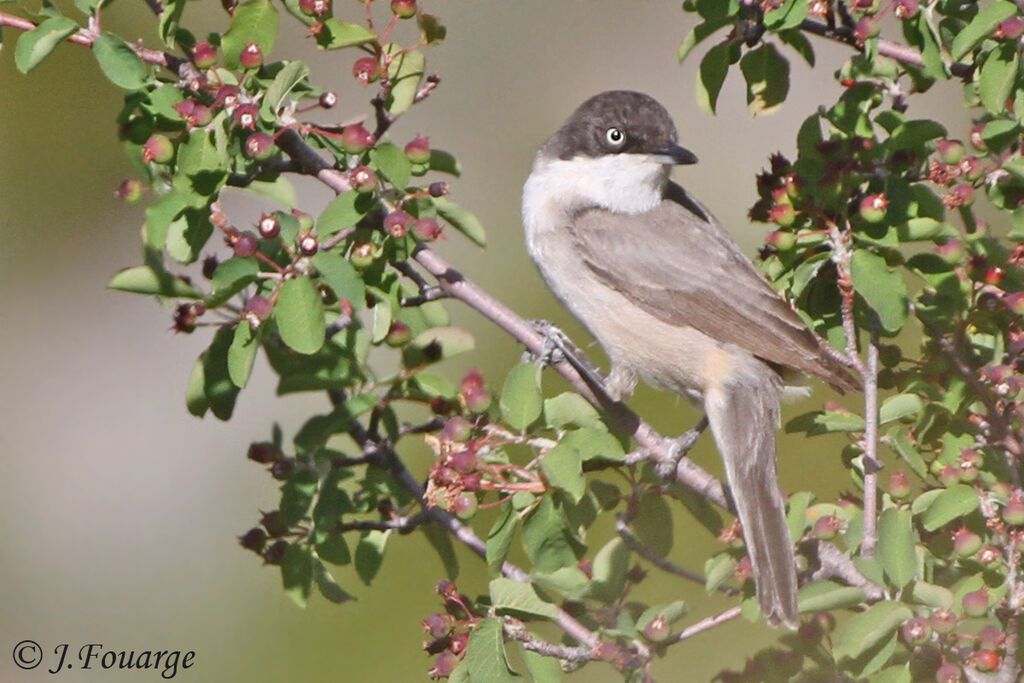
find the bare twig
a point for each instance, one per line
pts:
(401, 524)
(869, 537)
(832, 563)
(701, 626)
(515, 630)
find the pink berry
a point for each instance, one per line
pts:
(269, 226)
(245, 244)
(259, 146)
(158, 148)
(355, 139)
(403, 9)
(251, 56)
(397, 223)
(259, 307)
(204, 55)
(418, 151)
(364, 180)
(246, 115)
(366, 70)
(426, 229)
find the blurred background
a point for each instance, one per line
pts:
(119, 511)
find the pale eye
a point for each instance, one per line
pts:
(614, 136)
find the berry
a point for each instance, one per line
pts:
(971, 168)
(209, 266)
(471, 380)
(275, 553)
(314, 8)
(362, 255)
(867, 27)
(1011, 29)
(444, 665)
(782, 215)
(304, 219)
(398, 335)
(258, 307)
(985, 660)
(781, 240)
(916, 631)
(906, 9)
(457, 429)
(158, 148)
(952, 252)
(1013, 511)
(251, 56)
(418, 151)
(657, 629)
(959, 195)
(975, 603)
(269, 226)
(193, 113)
(477, 400)
(328, 100)
(366, 70)
(899, 486)
(403, 9)
(949, 475)
(226, 97)
(950, 151)
(471, 482)
(990, 638)
(308, 244)
(943, 621)
(259, 146)
(965, 543)
(245, 244)
(439, 625)
(463, 462)
(397, 223)
(264, 453)
(254, 539)
(827, 527)
(364, 180)
(438, 189)
(948, 673)
(246, 115)
(426, 229)
(355, 139)
(465, 506)
(872, 208)
(130, 190)
(977, 141)
(204, 55)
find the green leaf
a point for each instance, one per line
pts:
(220, 391)
(824, 596)
(34, 46)
(285, 81)
(280, 191)
(981, 27)
(563, 469)
(789, 14)
(296, 498)
(595, 443)
(546, 540)
(997, 77)
(767, 75)
(896, 540)
(441, 540)
(337, 34)
(499, 539)
(392, 163)
(437, 343)
(432, 31)
(609, 574)
(334, 550)
(406, 72)
(894, 674)
(519, 599)
(900, 442)
(370, 554)
(711, 75)
(146, 280)
(899, 407)
(542, 669)
(521, 400)
(462, 220)
(242, 353)
(951, 504)
(195, 393)
(485, 654)
(170, 17)
(569, 409)
(653, 525)
(443, 162)
(299, 313)
(297, 573)
(718, 569)
(796, 39)
(253, 21)
(568, 581)
(119, 63)
(327, 586)
(697, 35)
(820, 422)
(343, 212)
(341, 277)
(231, 277)
(870, 628)
(937, 597)
(884, 290)
(672, 613)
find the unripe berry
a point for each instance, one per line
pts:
(355, 139)
(465, 506)
(251, 56)
(1013, 511)
(418, 151)
(314, 8)
(259, 307)
(398, 335)
(463, 462)
(477, 400)
(906, 9)
(362, 255)
(397, 223)
(965, 543)
(943, 621)
(259, 146)
(959, 195)
(916, 631)
(782, 215)
(471, 481)
(366, 70)
(657, 629)
(977, 141)
(952, 252)
(403, 9)
(193, 113)
(971, 168)
(328, 100)
(827, 527)
(782, 240)
(426, 229)
(246, 115)
(158, 148)
(899, 486)
(948, 673)
(471, 380)
(867, 27)
(949, 475)
(950, 151)
(308, 244)
(457, 428)
(1014, 301)
(226, 97)
(872, 208)
(304, 219)
(269, 226)
(989, 556)
(364, 180)
(1011, 29)
(990, 638)
(975, 603)
(245, 244)
(130, 190)
(204, 55)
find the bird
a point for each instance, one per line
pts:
(672, 300)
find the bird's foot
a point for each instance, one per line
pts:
(677, 450)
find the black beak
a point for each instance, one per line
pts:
(674, 154)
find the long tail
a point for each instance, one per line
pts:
(744, 415)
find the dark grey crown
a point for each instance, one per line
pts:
(646, 125)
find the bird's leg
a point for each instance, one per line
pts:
(677, 450)
(558, 347)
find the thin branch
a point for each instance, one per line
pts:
(701, 626)
(400, 524)
(515, 630)
(869, 537)
(832, 563)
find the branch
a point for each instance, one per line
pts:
(515, 630)
(701, 626)
(401, 524)
(832, 563)
(869, 379)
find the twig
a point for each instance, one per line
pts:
(574, 655)
(401, 524)
(701, 626)
(832, 563)
(869, 537)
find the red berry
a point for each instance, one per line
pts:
(783, 215)
(397, 223)
(965, 543)
(477, 400)
(943, 621)
(975, 603)
(259, 146)
(364, 180)
(269, 226)
(463, 462)
(826, 528)
(465, 506)
(950, 151)
(193, 113)
(204, 55)
(948, 673)
(985, 660)
(366, 70)
(439, 625)
(308, 244)
(246, 115)
(226, 97)
(916, 631)
(1011, 29)
(471, 380)
(906, 9)
(328, 100)
(314, 8)
(657, 629)
(251, 56)
(355, 139)
(1013, 511)
(158, 148)
(872, 208)
(259, 307)
(426, 229)
(418, 151)
(994, 275)
(866, 28)
(403, 9)
(264, 453)
(245, 244)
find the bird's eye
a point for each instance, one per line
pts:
(614, 136)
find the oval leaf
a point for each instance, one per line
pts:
(299, 313)
(870, 628)
(119, 62)
(884, 290)
(521, 400)
(462, 220)
(35, 45)
(896, 539)
(519, 599)
(948, 505)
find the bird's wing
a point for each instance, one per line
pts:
(678, 263)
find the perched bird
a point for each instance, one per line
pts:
(672, 300)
